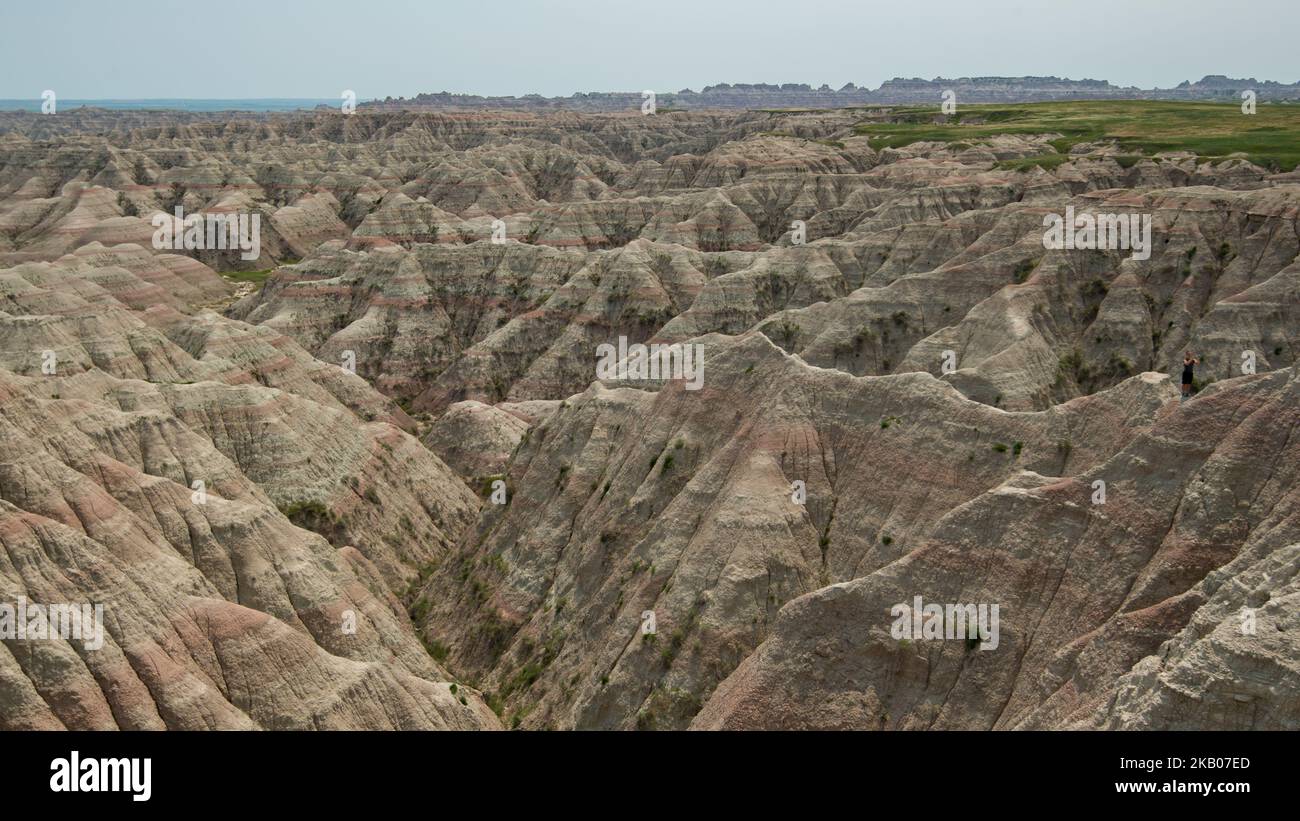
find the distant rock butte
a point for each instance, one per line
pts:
(892, 92)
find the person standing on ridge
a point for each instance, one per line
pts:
(1189, 363)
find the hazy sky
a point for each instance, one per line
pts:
(266, 48)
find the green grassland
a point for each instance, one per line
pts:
(1213, 131)
(257, 277)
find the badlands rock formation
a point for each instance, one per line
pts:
(385, 488)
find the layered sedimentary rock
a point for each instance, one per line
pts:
(1122, 614)
(170, 468)
(903, 392)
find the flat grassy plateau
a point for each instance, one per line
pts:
(1270, 138)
